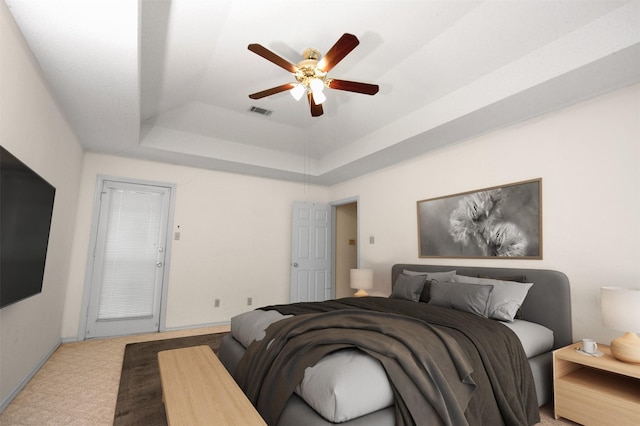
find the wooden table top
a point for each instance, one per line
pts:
(198, 390)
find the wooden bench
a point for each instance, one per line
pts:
(198, 390)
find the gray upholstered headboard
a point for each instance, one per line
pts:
(548, 301)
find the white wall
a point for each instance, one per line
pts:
(35, 131)
(588, 157)
(234, 244)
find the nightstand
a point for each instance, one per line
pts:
(595, 390)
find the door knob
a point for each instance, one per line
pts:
(295, 264)
(159, 264)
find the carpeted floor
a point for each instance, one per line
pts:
(78, 385)
(140, 392)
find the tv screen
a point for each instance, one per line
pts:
(26, 206)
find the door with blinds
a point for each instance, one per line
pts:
(128, 259)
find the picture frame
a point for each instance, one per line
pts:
(497, 222)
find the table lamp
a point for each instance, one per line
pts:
(621, 311)
(361, 280)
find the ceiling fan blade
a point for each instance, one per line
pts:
(354, 86)
(272, 91)
(270, 56)
(316, 110)
(338, 51)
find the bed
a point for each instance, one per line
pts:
(352, 361)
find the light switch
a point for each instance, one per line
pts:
(372, 240)
(176, 235)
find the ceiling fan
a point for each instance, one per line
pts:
(311, 73)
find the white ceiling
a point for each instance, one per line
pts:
(169, 80)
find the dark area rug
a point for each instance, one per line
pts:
(140, 393)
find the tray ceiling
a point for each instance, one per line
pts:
(169, 80)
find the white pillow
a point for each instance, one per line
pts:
(346, 384)
(505, 299)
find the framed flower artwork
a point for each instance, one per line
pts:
(498, 222)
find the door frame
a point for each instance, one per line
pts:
(334, 205)
(93, 236)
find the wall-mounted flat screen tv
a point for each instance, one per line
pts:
(26, 206)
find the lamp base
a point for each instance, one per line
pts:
(361, 293)
(626, 348)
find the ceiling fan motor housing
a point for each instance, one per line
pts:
(308, 70)
(311, 53)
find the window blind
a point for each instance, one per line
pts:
(131, 253)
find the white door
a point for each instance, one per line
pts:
(311, 252)
(128, 259)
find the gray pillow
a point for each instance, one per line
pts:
(506, 297)
(438, 276)
(465, 297)
(517, 278)
(408, 287)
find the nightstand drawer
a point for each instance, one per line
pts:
(595, 397)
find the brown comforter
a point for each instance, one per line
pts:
(445, 366)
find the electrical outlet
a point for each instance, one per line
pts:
(249, 301)
(216, 303)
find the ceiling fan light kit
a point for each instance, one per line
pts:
(297, 91)
(311, 73)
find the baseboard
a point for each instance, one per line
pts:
(29, 376)
(189, 327)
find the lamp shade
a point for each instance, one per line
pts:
(361, 278)
(318, 98)
(297, 91)
(620, 308)
(621, 311)
(316, 85)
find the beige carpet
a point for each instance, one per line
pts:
(78, 385)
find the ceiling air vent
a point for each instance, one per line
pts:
(260, 110)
